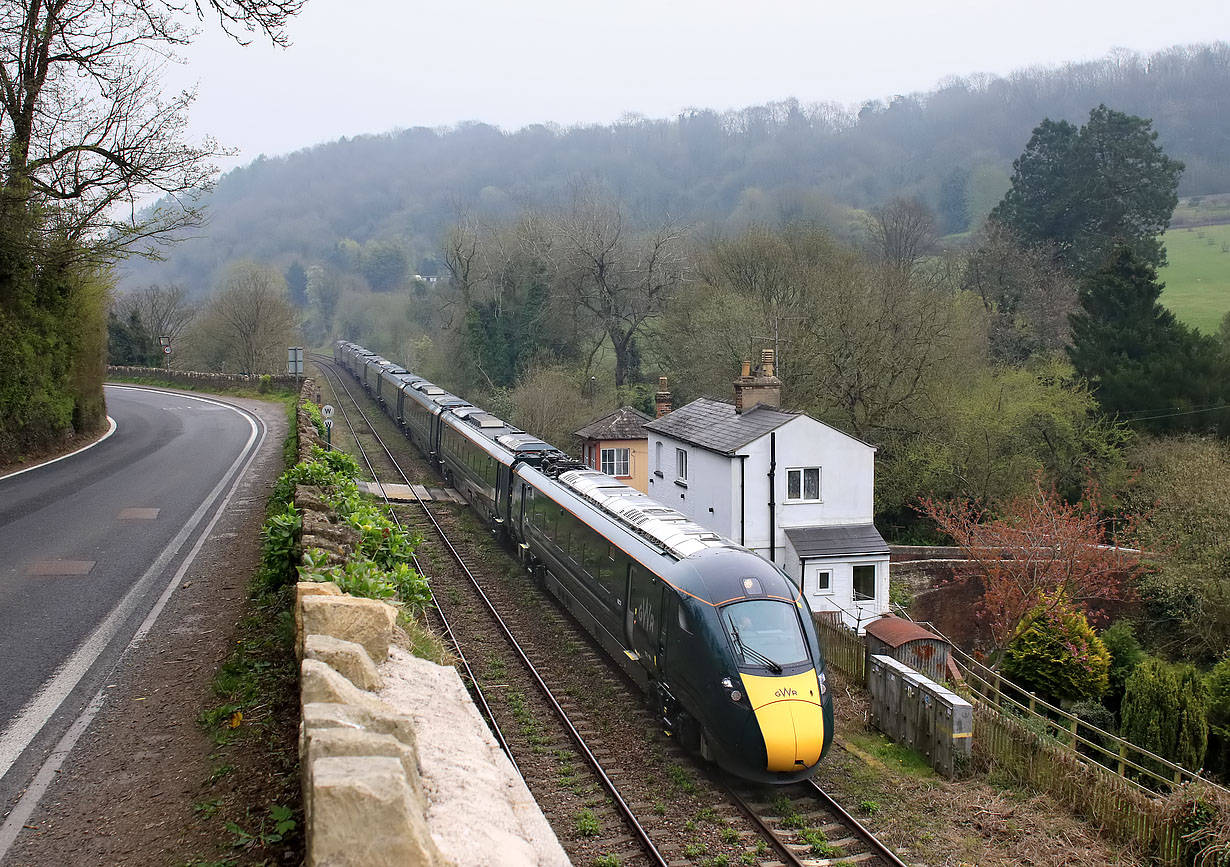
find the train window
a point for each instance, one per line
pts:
(765, 633)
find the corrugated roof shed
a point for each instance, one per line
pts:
(625, 423)
(714, 424)
(896, 631)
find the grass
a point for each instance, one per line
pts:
(900, 758)
(1198, 276)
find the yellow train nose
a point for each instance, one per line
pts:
(790, 717)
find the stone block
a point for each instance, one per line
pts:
(345, 657)
(363, 816)
(378, 717)
(366, 621)
(317, 743)
(303, 590)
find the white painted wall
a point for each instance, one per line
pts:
(717, 495)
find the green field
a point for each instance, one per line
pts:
(1198, 276)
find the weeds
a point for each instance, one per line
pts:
(587, 824)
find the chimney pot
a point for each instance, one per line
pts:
(747, 368)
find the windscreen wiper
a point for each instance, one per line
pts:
(750, 652)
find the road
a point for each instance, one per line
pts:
(91, 547)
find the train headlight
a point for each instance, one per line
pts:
(735, 695)
(726, 683)
(824, 683)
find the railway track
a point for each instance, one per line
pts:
(642, 801)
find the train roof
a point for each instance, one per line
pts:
(645, 516)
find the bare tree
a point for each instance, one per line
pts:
(902, 233)
(248, 324)
(164, 310)
(1025, 292)
(616, 279)
(88, 129)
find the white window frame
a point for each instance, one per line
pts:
(615, 462)
(681, 464)
(814, 588)
(875, 581)
(802, 471)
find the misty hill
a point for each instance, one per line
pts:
(953, 146)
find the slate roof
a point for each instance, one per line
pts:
(625, 423)
(714, 424)
(835, 541)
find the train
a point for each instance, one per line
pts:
(719, 639)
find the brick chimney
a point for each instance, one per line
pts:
(759, 388)
(662, 400)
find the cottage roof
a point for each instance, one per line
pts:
(837, 540)
(625, 423)
(714, 424)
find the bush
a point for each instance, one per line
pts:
(1059, 656)
(1125, 655)
(1217, 761)
(1165, 710)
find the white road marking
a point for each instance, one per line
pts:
(36, 714)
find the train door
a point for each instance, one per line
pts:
(503, 493)
(643, 616)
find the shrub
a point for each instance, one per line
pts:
(1059, 656)
(1217, 761)
(1125, 655)
(1165, 710)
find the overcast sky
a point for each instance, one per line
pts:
(369, 66)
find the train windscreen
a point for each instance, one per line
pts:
(765, 632)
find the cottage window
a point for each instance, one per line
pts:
(615, 462)
(818, 581)
(803, 484)
(864, 583)
(681, 465)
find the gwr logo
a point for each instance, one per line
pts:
(786, 692)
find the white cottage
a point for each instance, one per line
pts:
(791, 488)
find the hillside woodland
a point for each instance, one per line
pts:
(951, 147)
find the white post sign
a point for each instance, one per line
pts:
(294, 360)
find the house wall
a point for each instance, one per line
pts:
(638, 460)
(840, 596)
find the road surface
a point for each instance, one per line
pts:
(91, 547)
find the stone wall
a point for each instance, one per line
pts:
(366, 705)
(195, 379)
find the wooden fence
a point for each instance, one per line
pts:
(1111, 782)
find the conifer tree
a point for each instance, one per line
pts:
(1165, 711)
(1143, 363)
